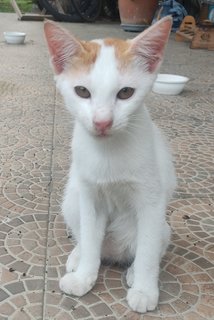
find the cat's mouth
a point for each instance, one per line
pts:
(103, 134)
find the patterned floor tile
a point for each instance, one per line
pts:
(22, 261)
(192, 221)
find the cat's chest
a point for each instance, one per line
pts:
(116, 197)
(107, 169)
(105, 163)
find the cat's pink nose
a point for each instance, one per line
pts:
(102, 126)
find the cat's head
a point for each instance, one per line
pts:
(105, 81)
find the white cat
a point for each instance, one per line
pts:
(122, 174)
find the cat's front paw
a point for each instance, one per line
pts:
(77, 285)
(142, 302)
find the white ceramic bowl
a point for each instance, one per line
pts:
(14, 37)
(169, 84)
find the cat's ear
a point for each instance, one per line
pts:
(61, 44)
(148, 47)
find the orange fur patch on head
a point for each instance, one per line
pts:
(86, 57)
(122, 51)
(90, 53)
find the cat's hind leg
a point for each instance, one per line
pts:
(73, 260)
(130, 276)
(165, 239)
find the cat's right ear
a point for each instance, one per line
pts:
(61, 44)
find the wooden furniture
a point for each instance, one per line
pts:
(29, 16)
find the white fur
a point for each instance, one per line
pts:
(119, 184)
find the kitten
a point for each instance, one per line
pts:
(122, 174)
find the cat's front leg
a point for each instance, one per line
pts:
(144, 292)
(92, 227)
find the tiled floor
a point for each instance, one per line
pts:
(35, 132)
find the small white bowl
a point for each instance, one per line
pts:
(14, 37)
(170, 84)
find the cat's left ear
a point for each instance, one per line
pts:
(148, 47)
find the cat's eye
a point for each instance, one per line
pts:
(82, 92)
(125, 93)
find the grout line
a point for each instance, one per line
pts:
(49, 214)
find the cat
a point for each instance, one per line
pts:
(122, 174)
